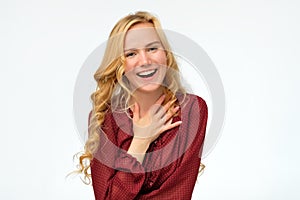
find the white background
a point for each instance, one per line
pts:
(254, 45)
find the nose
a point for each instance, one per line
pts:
(145, 58)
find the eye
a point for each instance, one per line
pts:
(152, 49)
(130, 54)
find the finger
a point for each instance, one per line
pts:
(172, 125)
(167, 106)
(136, 112)
(160, 99)
(170, 114)
(163, 110)
(169, 121)
(158, 103)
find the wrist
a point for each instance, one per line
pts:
(139, 145)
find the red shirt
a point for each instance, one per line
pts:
(171, 163)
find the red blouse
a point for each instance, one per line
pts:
(170, 166)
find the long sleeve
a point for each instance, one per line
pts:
(180, 184)
(113, 170)
(170, 167)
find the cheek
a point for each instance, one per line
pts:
(128, 66)
(162, 58)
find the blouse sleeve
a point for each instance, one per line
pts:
(115, 173)
(180, 184)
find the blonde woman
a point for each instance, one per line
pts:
(145, 132)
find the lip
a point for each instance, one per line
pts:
(155, 74)
(146, 70)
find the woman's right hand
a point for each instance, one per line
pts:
(157, 120)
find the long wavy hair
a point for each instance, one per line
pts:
(111, 83)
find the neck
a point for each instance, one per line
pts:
(146, 99)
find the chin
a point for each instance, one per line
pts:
(153, 87)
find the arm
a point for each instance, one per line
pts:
(180, 184)
(138, 148)
(112, 168)
(185, 175)
(121, 181)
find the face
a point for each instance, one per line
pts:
(145, 58)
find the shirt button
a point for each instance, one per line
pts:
(150, 183)
(156, 141)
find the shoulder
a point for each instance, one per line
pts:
(192, 101)
(106, 119)
(196, 97)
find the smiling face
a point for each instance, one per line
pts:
(145, 58)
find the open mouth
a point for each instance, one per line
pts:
(147, 74)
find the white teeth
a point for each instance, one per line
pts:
(146, 73)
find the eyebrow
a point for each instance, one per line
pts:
(147, 45)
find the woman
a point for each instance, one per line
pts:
(145, 132)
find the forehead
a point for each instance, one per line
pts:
(140, 35)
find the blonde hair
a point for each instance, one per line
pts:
(110, 82)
